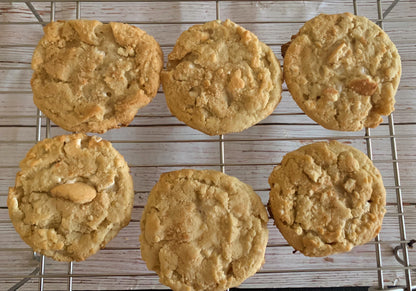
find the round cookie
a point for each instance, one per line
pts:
(343, 71)
(221, 79)
(72, 196)
(91, 77)
(327, 198)
(203, 230)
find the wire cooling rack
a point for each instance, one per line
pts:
(156, 142)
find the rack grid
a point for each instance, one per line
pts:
(156, 142)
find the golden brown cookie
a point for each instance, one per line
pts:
(72, 196)
(91, 77)
(343, 71)
(220, 78)
(203, 230)
(327, 198)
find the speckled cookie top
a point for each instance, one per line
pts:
(220, 78)
(327, 198)
(91, 77)
(203, 230)
(72, 196)
(343, 71)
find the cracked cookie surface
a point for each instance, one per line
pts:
(343, 71)
(71, 197)
(91, 77)
(203, 230)
(220, 78)
(327, 198)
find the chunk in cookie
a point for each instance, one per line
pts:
(326, 198)
(343, 71)
(72, 196)
(203, 230)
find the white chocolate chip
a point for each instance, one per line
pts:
(97, 138)
(71, 181)
(313, 172)
(349, 186)
(298, 230)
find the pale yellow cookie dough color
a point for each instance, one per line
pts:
(203, 230)
(72, 196)
(92, 77)
(220, 78)
(326, 198)
(343, 71)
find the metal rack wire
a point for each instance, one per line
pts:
(400, 251)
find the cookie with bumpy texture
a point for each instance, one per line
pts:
(91, 77)
(221, 79)
(343, 71)
(326, 198)
(72, 196)
(203, 230)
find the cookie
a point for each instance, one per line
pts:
(91, 77)
(343, 71)
(326, 198)
(203, 230)
(221, 79)
(72, 196)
